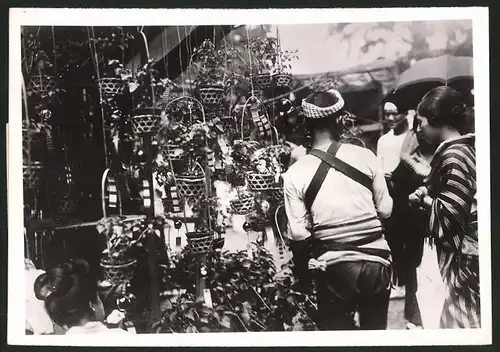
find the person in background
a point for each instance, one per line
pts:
(388, 150)
(389, 145)
(408, 224)
(449, 198)
(71, 299)
(334, 223)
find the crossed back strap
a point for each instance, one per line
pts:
(329, 160)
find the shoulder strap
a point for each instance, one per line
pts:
(319, 177)
(329, 160)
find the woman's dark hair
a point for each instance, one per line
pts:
(443, 106)
(332, 123)
(67, 291)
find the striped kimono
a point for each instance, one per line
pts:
(453, 228)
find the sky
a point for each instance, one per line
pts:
(319, 51)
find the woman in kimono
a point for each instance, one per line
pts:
(448, 195)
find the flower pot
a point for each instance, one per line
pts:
(190, 187)
(40, 84)
(211, 95)
(145, 121)
(261, 182)
(278, 195)
(228, 123)
(110, 87)
(243, 205)
(200, 242)
(118, 272)
(282, 80)
(31, 174)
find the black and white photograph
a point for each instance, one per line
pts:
(314, 177)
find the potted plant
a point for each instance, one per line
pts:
(147, 89)
(266, 168)
(212, 79)
(38, 67)
(269, 65)
(109, 49)
(122, 236)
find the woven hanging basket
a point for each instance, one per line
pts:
(145, 121)
(260, 224)
(40, 84)
(200, 242)
(190, 187)
(211, 95)
(174, 152)
(261, 80)
(118, 273)
(31, 174)
(282, 80)
(110, 87)
(261, 182)
(243, 205)
(228, 123)
(278, 195)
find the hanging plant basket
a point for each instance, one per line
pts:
(145, 121)
(282, 80)
(118, 273)
(211, 95)
(278, 195)
(228, 123)
(190, 187)
(261, 80)
(243, 205)
(40, 84)
(31, 174)
(261, 182)
(260, 224)
(110, 87)
(174, 152)
(200, 242)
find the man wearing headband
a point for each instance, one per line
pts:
(335, 197)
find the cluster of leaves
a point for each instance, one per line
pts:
(147, 86)
(239, 161)
(271, 159)
(110, 46)
(247, 295)
(35, 59)
(212, 64)
(122, 236)
(267, 56)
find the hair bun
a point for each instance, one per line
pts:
(458, 110)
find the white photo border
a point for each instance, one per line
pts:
(109, 17)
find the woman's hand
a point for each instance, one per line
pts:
(416, 197)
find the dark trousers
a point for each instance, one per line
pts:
(347, 287)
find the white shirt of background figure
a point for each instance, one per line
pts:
(389, 145)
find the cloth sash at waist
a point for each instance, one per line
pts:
(320, 246)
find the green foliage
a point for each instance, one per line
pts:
(248, 294)
(212, 64)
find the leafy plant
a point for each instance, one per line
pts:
(266, 56)
(147, 86)
(122, 236)
(212, 64)
(109, 46)
(271, 159)
(248, 294)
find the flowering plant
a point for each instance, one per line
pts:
(270, 160)
(266, 56)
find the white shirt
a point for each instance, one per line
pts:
(389, 149)
(340, 198)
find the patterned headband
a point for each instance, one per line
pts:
(315, 112)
